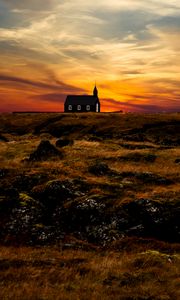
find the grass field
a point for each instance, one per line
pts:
(52, 273)
(101, 221)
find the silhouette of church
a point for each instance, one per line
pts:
(83, 103)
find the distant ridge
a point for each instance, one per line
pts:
(37, 112)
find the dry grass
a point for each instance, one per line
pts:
(52, 273)
(83, 153)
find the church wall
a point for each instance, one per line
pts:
(83, 108)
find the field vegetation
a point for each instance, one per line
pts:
(89, 206)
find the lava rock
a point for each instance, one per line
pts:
(22, 219)
(3, 172)
(147, 218)
(130, 146)
(95, 139)
(151, 178)
(55, 193)
(8, 200)
(79, 214)
(171, 142)
(99, 169)
(25, 182)
(3, 138)
(146, 177)
(45, 151)
(138, 157)
(64, 142)
(135, 137)
(177, 161)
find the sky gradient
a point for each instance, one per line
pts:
(51, 48)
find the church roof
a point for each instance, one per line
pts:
(95, 90)
(81, 100)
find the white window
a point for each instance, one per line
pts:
(97, 107)
(69, 107)
(79, 107)
(87, 107)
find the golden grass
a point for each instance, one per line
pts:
(83, 153)
(52, 273)
(47, 273)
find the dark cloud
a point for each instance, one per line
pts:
(119, 24)
(30, 4)
(15, 48)
(166, 81)
(126, 106)
(8, 19)
(132, 72)
(51, 97)
(81, 54)
(20, 14)
(147, 108)
(58, 85)
(170, 22)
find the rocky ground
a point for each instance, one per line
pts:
(81, 181)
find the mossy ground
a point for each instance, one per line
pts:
(124, 269)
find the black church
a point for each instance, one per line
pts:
(83, 103)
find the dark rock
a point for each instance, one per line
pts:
(46, 235)
(51, 193)
(3, 172)
(170, 142)
(87, 219)
(137, 230)
(103, 233)
(55, 192)
(11, 193)
(65, 130)
(79, 184)
(8, 199)
(64, 142)
(177, 161)
(81, 213)
(134, 136)
(99, 169)
(146, 177)
(92, 130)
(22, 219)
(3, 138)
(101, 133)
(138, 157)
(67, 188)
(44, 151)
(135, 146)
(150, 157)
(24, 222)
(151, 178)
(25, 182)
(95, 139)
(147, 218)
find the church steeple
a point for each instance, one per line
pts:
(95, 91)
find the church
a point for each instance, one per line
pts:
(83, 103)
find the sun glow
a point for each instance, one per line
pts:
(130, 48)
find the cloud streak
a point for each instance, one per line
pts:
(130, 47)
(56, 86)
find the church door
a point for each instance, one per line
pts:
(97, 107)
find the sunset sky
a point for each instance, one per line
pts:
(51, 48)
